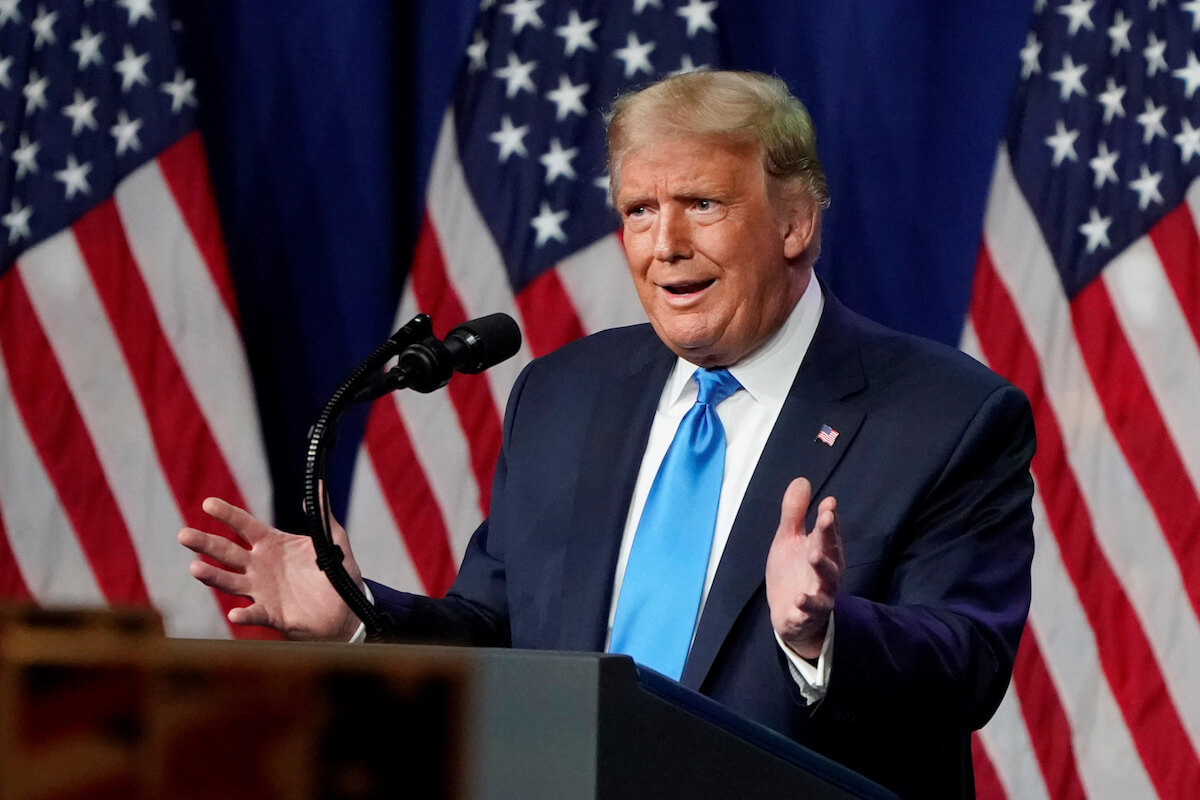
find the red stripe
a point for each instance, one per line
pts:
(12, 583)
(60, 437)
(1139, 429)
(548, 313)
(187, 451)
(410, 497)
(1124, 650)
(987, 781)
(1178, 246)
(1049, 728)
(185, 171)
(470, 394)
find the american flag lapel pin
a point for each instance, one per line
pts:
(827, 435)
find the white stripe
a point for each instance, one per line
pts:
(374, 538)
(62, 294)
(597, 280)
(1158, 332)
(41, 535)
(1108, 762)
(474, 265)
(194, 318)
(1006, 740)
(1125, 526)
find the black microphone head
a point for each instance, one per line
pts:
(480, 343)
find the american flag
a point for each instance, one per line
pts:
(517, 220)
(1087, 296)
(125, 397)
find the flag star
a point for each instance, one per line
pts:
(1188, 141)
(641, 5)
(182, 91)
(74, 177)
(1190, 75)
(1112, 99)
(577, 33)
(1146, 187)
(1039, 6)
(26, 156)
(516, 76)
(126, 133)
(1029, 56)
(636, 56)
(698, 14)
(17, 221)
(35, 92)
(1156, 3)
(87, 47)
(1096, 231)
(132, 68)
(43, 27)
(1079, 12)
(82, 113)
(1104, 166)
(5, 64)
(548, 225)
(686, 65)
(1069, 79)
(1119, 33)
(1151, 121)
(568, 97)
(9, 12)
(477, 52)
(604, 184)
(138, 10)
(510, 139)
(1063, 143)
(1154, 56)
(1193, 7)
(524, 12)
(558, 162)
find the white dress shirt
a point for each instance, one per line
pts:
(748, 417)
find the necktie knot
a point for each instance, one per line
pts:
(715, 385)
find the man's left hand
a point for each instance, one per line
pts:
(804, 569)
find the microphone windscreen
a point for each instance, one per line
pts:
(480, 343)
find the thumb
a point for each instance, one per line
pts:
(794, 507)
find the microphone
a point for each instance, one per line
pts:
(470, 348)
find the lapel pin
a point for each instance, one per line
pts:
(827, 435)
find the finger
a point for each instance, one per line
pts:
(825, 540)
(228, 554)
(220, 579)
(253, 614)
(241, 521)
(794, 507)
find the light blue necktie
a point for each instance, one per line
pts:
(664, 578)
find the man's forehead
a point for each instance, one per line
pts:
(679, 163)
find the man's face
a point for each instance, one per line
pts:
(717, 264)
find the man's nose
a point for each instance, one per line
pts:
(672, 239)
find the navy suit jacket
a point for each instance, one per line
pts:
(931, 471)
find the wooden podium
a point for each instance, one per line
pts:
(102, 705)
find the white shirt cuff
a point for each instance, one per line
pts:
(360, 635)
(813, 681)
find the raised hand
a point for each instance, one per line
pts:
(277, 571)
(803, 571)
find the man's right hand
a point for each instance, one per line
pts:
(277, 571)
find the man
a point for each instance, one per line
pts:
(878, 628)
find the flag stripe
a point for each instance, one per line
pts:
(987, 782)
(1044, 714)
(1123, 648)
(12, 583)
(185, 171)
(57, 430)
(377, 543)
(194, 317)
(597, 280)
(412, 503)
(1177, 243)
(546, 300)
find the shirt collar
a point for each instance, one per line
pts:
(766, 375)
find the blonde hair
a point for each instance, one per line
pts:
(738, 109)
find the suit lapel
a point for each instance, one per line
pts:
(823, 393)
(608, 469)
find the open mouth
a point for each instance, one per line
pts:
(691, 287)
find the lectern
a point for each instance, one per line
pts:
(101, 704)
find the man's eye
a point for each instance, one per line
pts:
(636, 211)
(704, 205)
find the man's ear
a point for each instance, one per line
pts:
(801, 225)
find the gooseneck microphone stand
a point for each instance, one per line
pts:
(321, 438)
